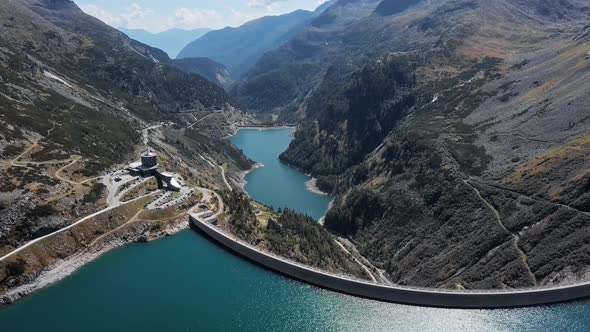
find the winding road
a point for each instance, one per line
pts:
(145, 133)
(201, 119)
(30, 243)
(356, 260)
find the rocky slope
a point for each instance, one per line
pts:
(452, 132)
(79, 100)
(282, 78)
(213, 71)
(59, 65)
(74, 97)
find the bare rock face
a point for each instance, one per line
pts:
(213, 71)
(54, 4)
(453, 134)
(555, 10)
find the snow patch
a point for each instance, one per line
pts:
(57, 78)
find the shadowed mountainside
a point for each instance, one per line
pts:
(452, 133)
(213, 71)
(82, 85)
(239, 48)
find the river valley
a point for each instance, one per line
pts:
(188, 283)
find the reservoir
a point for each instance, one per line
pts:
(277, 184)
(187, 283)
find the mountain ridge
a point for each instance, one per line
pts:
(435, 130)
(171, 41)
(239, 48)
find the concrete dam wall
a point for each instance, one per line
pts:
(396, 294)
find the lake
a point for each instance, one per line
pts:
(187, 283)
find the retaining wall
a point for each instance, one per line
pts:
(397, 294)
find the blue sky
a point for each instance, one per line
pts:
(158, 15)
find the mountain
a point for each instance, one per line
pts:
(209, 69)
(171, 41)
(79, 99)
(453, 134)
(283, 77)
(239, 48)
(79, 87)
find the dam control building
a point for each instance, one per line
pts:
(149, 166)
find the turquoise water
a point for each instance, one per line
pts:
(187, 283)
(276, 184)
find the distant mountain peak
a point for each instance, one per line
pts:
(172, 41)
(321, 8)
(240, 48)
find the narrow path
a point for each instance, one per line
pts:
(207, 194)
(14, 162)
(30, 243)
(222, 172)
(61, 178)
(538, 140)
(356, 260)
(524, 137)
(225, 179)
(131, 220)
(145, 132)
(25, 164)
(515, 237)
(495, 186)
(200, 120)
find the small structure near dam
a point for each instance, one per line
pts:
(148, 166)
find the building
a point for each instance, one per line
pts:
(149, 166)
(168, 179)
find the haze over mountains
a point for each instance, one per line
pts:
(239, 48)
(171, 41)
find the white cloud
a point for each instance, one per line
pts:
(135, 13)
(133, 16)
(267, 4)
(102, 14)
(191, 18)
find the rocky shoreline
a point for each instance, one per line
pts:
(242, 175)
(141, 232)
(312, 186)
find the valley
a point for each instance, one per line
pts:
(435, 145)
(448, 146)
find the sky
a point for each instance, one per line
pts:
(159, 15)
